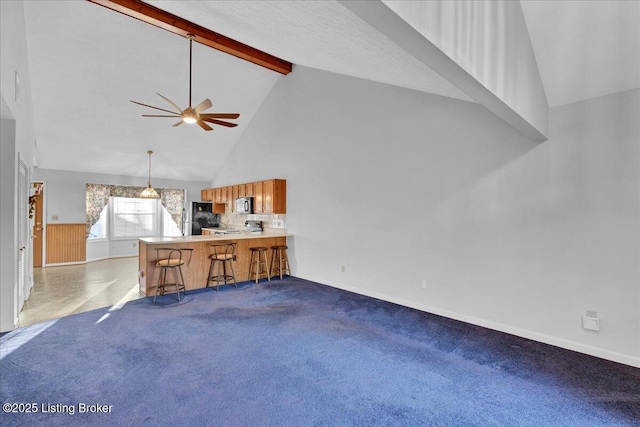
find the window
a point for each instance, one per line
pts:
(133, 218)
(99, 229)
(129, 218)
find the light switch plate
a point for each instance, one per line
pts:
(591, 323)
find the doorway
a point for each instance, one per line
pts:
(36, 213)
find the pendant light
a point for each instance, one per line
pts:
(149, 192)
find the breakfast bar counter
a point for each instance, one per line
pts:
(195, 274)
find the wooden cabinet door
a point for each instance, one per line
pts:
(267, 196)
(248, 189)
(206, 195)
(241, 190)
(230, 200)
(236, 194)
(257, 197)
(280, 196)
(217, 195)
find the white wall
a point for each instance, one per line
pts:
(17, 144)
(400, 186)
(8, 229)
(65, 197)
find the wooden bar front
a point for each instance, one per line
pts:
(195, 274)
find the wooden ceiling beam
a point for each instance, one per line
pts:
(167, 21)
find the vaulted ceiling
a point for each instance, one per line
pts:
(86, 63)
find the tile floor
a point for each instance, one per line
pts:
(64, 290)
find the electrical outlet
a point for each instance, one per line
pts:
(423, 283)
(54, 217)
(342, 269)
(135, 244)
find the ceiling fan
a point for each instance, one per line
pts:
(193, 114)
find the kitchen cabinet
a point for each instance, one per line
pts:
(218, 195)
(274, 196)
(230, 200)
(257, 197)
(235, 193)
(269, 196)
(206, 195)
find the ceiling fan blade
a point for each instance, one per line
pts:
(159, 115)
(179, 123)
(170, 102)
(220, 115)
(204, 126)
(220, 122)
(204, 105)
(151, 106)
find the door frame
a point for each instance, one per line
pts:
(39, 205)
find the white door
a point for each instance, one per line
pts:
(22, 233)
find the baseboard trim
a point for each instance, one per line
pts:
(59, 264)
(8, 328)
(523, 333)
(89, 260)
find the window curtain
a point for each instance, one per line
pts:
(98, 197)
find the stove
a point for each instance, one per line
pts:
(253, 226)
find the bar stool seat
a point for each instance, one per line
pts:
(224, 254)
(258, 263)
(171, 259)
(279, 257)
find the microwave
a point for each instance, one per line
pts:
(244, 205)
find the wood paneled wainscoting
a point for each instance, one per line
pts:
(66, 243)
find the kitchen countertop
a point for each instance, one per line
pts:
(212, 237)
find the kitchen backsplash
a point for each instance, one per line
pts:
(233, 220)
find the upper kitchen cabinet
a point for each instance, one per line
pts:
(219, 196)
(279, 197)
(257, 197)
(235, 191)
(270, 196)
(231, 201)
(206, 195)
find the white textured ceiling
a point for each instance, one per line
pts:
(87, 62)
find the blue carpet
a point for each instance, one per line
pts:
(297, 353)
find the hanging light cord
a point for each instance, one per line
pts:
(149, 182)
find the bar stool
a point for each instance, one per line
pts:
(170, 259)
(257, 262)
(279, 255)
(223, 253)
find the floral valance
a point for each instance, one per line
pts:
(98, 197)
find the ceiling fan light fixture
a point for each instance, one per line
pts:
(149, 192)
(192, 114)
(189, 118)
